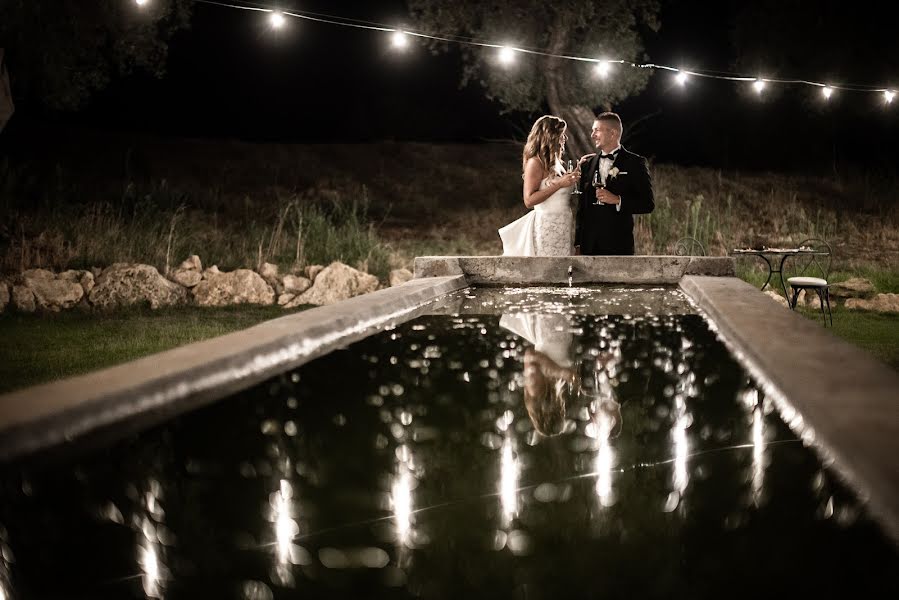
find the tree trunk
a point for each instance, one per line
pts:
(578, 116)
(6, 105)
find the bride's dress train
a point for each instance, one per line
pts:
(548, 230)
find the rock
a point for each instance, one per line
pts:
(96, 271)
(4, 294)
(213, 270)
(879, 303)
(87, 281)
(400, 276)
(777, 298)
(186, 277)
(268, 271)
(242, 286)
(857, 287)
(335, 283)
(192, 263)
(285, 298)
(312, 271)
(83, 278)
(51, 292)
(295, 284)
(23, 299)
(123, 284)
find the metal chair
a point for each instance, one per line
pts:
(689, 246)
(816, 263)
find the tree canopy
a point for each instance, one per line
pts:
(611, 29)
(60, 52)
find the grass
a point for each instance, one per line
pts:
(876, 333)
(56, 345)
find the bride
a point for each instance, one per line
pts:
(548, 230)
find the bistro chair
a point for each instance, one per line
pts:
(689, 246)
(811, 274)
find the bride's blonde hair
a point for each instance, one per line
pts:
(544, 143)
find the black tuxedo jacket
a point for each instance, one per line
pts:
(601, 228)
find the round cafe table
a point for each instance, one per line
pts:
(771, 255)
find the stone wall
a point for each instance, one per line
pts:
(128, 284)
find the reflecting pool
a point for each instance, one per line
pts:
(522, 443)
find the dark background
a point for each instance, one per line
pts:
(231, 77)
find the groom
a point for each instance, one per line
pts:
(605, 224)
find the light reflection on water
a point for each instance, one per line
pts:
(429, 460)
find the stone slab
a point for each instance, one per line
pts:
(831, 393)
(528, 270)
(146, 391)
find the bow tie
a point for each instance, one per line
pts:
(609, 156)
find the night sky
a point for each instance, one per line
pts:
(230, 77)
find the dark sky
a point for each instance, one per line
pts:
(228, 76)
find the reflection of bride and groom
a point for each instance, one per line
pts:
(610, 186)
(551, 383)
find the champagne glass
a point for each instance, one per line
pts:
(597, 183)
(571, 170)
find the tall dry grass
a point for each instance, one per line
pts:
(378, 205)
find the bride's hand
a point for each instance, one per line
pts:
(569, 179)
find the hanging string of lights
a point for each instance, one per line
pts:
(506, 55)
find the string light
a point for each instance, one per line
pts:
(603, 68)
(506, 54)
(399, 39)
(276, 20)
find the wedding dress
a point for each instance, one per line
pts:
(550, 334)
(548, 230)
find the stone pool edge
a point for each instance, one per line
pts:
(829, 392)
(148, 390)
(534, 270)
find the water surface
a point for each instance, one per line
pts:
(521, 443)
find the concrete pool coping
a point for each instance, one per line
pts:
(828, 391)
(832, 394)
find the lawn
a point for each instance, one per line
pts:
(38, 348)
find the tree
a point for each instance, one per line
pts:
(60, 52)
(610, 29)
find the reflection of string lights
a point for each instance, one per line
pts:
(605, 459)
(285, 527)
(508, 486)
(681, 448)
(401, 499)
(758, 452)
(506, 55)
(149, 562)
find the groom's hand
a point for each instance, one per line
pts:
(606, 197)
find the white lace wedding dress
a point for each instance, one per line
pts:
(548, 230)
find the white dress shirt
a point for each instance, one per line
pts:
(605, 165)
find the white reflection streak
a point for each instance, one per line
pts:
(401, 496)
(149, 562)
(285, 526)
(605, 458)
(758, 452)
(681, 447)
(508, 486)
